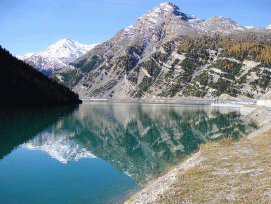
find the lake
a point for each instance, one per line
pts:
(102, 152)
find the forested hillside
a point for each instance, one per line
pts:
(22, 85)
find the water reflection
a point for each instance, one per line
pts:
(59, 145)
(139, 140)
(18, 125)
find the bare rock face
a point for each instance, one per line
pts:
(150, 59)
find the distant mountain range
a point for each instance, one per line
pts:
(56, 56)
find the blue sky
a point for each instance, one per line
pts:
(33, 25)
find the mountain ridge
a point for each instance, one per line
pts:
(145, 29)
(129, 65)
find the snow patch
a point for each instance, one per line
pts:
(249, 27)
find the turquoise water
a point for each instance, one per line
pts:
(101, 152)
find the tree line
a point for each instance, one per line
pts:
(245, 46)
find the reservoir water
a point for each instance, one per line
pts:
(102, 152)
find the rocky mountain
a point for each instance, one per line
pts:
(167, 54)
(56, 56)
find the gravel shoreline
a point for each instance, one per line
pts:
(160, 185)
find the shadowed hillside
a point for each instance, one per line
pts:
(22, 85)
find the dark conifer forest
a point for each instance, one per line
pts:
(24, 86)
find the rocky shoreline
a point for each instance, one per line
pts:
(160, 190)
(224, 100)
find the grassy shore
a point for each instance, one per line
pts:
(221, 172)
(229, 173)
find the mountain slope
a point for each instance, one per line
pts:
(146, 59)
(22, 85)
(56, 56)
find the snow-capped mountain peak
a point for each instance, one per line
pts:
(56, 56)
(67, 48)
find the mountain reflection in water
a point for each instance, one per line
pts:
(139, 140)
(18, 125)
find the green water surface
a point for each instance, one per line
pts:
(101, 152)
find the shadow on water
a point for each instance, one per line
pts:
(18, 125)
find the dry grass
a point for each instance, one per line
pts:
(231, 172)
(226, 141)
